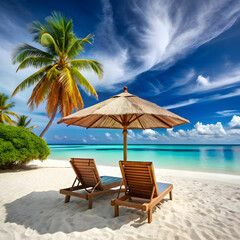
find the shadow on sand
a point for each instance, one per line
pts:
(46, 212)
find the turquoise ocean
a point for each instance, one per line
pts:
(204, 158)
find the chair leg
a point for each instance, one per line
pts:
(67, 199)
(90, 201)
(170, 195)
(116, 210)
(150, 215)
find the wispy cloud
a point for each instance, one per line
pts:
(92, 137)
(183, 103)
(224, 79)
(158, 37)
(235, 93)
(13, 31)
(213, 97)
(227, 113)
(57, 137)
(178, 80)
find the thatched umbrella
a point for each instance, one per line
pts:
(124, 111)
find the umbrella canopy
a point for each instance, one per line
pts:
(124, 111)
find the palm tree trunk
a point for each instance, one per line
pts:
(49, 123)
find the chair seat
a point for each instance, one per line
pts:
(109, 179)
(162, 187)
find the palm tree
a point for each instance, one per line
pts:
(4, 112)
(22, 121)
(56, 81)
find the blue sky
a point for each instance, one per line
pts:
(181, 55)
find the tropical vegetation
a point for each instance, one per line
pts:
(5, 113)
(60, 72)
(20, 146)
(24, 122)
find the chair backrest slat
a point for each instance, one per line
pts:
(139, 179)
(86, 172)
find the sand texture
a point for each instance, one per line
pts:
(204, 206)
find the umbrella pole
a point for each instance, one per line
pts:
(125, 143)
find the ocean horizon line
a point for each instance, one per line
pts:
(163, 144)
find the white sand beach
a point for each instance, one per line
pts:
(204, 206)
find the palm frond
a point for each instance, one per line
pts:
(11, 113)
(31, 128)
(22, 121)
(28, 122)
(87, 38)
(85, 64)
(77, 45)
(24, 50)
(35, 62)
(7, 119)
(66, 79)
(43, 87)
(3, 100)
(32, 79)
(35, 27)
(83, 81)
(48, 40)
(7, 106)
(74, 48)
(53, 97)
(1, 118)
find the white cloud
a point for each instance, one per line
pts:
(235, 93)
(202, 81)
(157, 38)
(223, 79)
(131, 134)
(14, 30)
(200, 133)
(151, 134)
(92, 137)
(235, 122)
(183, 103)
(226, 113)
(166, 37)
(184, 78)
(117, 135)
(214, 97)
(177, 81)
(209, 132)
(57, 137)
(209, 129)
(108, 135)
(84, 140)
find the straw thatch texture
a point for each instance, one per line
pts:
(122, 110)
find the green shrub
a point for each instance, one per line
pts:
(18, 146)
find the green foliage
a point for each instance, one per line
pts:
(20, 146)
(24, 122)
(4, 110)
(57, 80)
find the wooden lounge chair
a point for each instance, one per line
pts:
(141, 189)
(87, 178)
